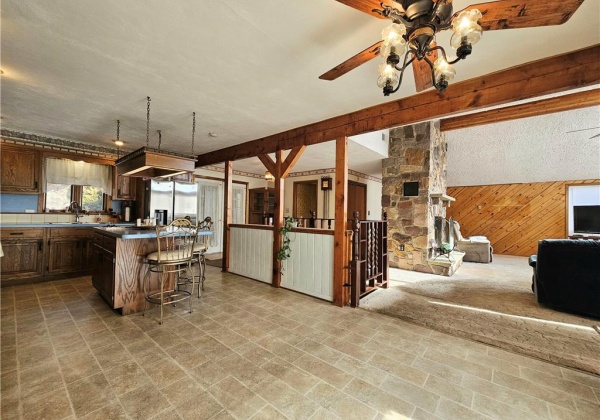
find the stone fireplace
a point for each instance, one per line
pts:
(417, 153)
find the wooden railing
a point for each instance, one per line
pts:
(369, 265)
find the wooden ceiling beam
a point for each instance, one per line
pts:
(291, 160)
(268, 162)
(550, 75)
(530, 109)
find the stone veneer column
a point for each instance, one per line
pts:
(416, 153)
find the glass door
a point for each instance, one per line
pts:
(210, 203)
(238, 201)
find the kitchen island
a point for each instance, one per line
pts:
(119, 265)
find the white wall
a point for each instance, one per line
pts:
(376, 141)
(536, 149)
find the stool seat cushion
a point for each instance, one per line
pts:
(169, 256)
(200, 248)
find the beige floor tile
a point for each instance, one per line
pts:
(161, 369)
(245, 371)
(449, 390)
(497, 410)
(365, 371)
(320, 350)
(236, 398)
(40, 379)
(78, 365)
(399, 369)
(187, 355)
(208, 374)
(323, 370)
(168, 414)
(531, 405)
(288, 401)
(268, 413)
(50, 406)
(111, 356)
(574, 388)
(298, 379)
(35, 355)
(440, 370)
(409, 392)
(143, 402)
(89, 394)
(127, 377)
(280, 348)
(493, 362)
(484, 372)
(324, 414)
(450, 410)
(378, 399)
(10, 407)
(587, 409)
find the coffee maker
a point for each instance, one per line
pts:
(161, 217)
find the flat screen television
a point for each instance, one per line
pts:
(586, 219)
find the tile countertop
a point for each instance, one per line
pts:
(124, 232)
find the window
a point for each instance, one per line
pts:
(59, 196)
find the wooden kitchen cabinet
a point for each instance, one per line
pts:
(23, 255)
(69, 250)
(103, 273)
(123, 187)
(20, 170)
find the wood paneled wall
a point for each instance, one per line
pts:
(514, 217)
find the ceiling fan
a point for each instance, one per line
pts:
(416, 22)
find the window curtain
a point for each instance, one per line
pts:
(239, 203)
(70, 172)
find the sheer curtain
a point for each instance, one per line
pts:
(70, 172)
(238, 201)
(209, 198)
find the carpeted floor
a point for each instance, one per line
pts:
(493, 304)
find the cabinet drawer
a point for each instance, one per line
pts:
(105, 242)
(22, 233)
(70, 232)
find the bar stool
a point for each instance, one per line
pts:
(174, 255)
(200, 247)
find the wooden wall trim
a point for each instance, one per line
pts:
(251, 226)
(550, 75)
(514, 217)
(530, 109)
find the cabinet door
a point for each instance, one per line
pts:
(65, 255)
(87, 251)
(103, 275)
(125, 188)
(22, 259)
(20, 169)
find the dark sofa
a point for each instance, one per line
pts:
(566, 275)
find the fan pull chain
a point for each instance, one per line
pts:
(193, 130)
(159, 139)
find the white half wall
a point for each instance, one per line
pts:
(251, 253)
(536, 149)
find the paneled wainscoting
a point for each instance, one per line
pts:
(251, 252)
(310, 268)
(514, 217)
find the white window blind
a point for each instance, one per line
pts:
(70, 172)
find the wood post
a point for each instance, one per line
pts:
(278, 217)
(341, 216)
(227, 212)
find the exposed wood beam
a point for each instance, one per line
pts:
(550, 75)
(278, 217)
(268, 162)
(341, 217)
(227, 212)
(291, 160)
(530, 109)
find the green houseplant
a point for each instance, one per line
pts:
(285, 251)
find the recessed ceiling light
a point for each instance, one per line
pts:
(213, 134)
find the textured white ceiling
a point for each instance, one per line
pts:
(247, 68)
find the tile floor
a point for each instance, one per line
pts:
(252, 351)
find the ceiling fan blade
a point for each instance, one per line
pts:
(593, 137)
(511, 14)
(352, 63)
(367, 6)
(422, 71)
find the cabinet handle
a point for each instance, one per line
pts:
(35, 185)
(16, 233)
(40, 245)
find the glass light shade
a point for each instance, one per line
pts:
(387, 73)
(465, 27)
(443, 70)
(393, 33)
(386, 48)
(119, 143)
(269, 176)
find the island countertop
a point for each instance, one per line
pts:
(133, 232)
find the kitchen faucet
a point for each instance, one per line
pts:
(75, 206)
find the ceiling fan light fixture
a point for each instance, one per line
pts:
(466, 29)
(387, 75)
(444, 73)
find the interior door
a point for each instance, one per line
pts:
(210, 204)
(238, 201)
(357, 200)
